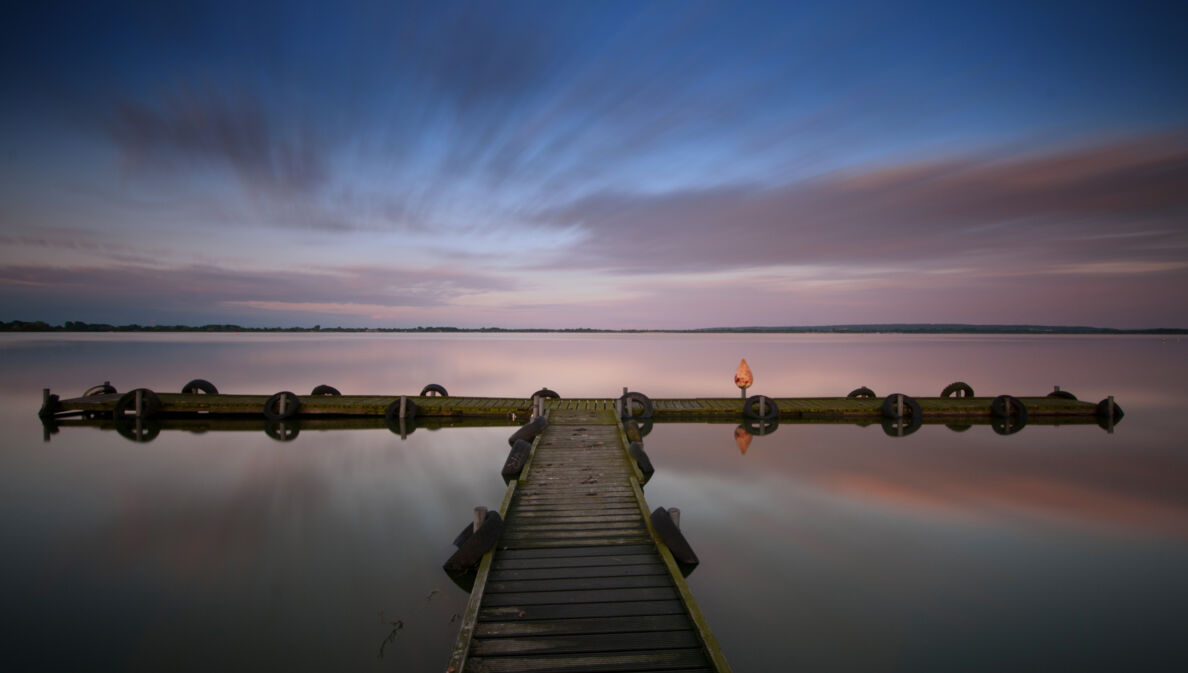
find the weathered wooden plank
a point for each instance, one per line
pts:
(511, 574)
(582, 596)
(594, 662)
(576, 519)
(587, 561)
(580, 610)
(545, 528)
(581, 643)
(639, 624)
(577, 583)
(575, 542)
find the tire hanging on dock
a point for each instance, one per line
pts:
(274, 410)
(911, 407)
(1103, 411)
(751, 408)
(861, 392)
(957, 389)
(105, 389)
(199, 386)
(392, 413)
(628, 401)
(150, 404)
(434, 389)
(323, 389)
(1008, 406)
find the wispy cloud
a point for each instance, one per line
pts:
(1069, 207)
(206, 126)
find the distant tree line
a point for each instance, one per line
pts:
(78, 326)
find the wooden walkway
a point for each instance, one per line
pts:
(578, 581)
(516, 409)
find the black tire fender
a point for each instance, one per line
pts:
(392, 413)
(150, 404)
(197, 386)
(326, 390)
(104, 389)
(910, 406)
(545, 392)
(1005, 406)
(957, 389)
(861, 392)
(272, 407)
(751, 408)
(435, 389)
(1103, 411)
(628, 401)
(1062, 395)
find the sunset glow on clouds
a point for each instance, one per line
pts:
(614, 165)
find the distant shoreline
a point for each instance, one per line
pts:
(907, 328)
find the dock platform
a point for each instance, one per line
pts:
(664, 410)
(579, 580)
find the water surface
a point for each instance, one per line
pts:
(829, 547)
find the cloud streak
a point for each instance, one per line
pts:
(1122, 204)
(202, 126)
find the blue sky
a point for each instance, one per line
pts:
(614, 165)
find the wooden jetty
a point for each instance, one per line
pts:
(513, 409)
(579, 580)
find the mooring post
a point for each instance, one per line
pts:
(480, 515)
(1056, 389)
(44, 397)
(619, 408)
(675, 514)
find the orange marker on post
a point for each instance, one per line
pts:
(743, 378)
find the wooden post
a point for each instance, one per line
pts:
(675, 515)
(44, 397)
(899, 405)
(762, 406)
(480, 515)
(1056, 388)
(140, 403)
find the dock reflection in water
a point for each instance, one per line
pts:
(823, 547)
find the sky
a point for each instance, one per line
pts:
(663, 165)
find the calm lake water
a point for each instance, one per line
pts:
(823, 547)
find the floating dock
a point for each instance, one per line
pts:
(579, 579)
(692, 409)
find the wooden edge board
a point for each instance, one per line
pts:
(708, 641)
(470, 617)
